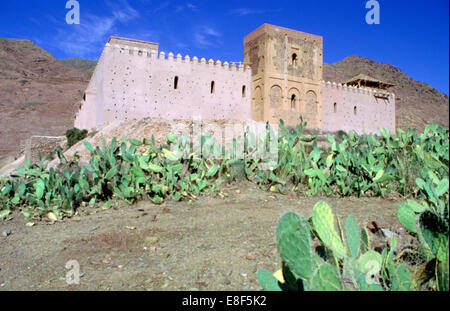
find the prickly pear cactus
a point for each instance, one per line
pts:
(442, 276)
(401, 279)
(294, 245)
(323, 221)
(365, 240)
(326, 278)
(407, 217)
(268, 281)
(370, 262)
(353, 237)
(435, 231)
(330, 268)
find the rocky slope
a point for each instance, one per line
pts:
(417, 103)
(38, 94)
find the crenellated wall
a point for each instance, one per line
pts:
(133, 82)
(362, 110)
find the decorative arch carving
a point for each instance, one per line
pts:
(275, 96)
(310, 105)
(257, 105)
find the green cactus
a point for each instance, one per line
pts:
(432, 229)
(435, 231)
(268, 281)
(388, 265)
(353, 236)
(306, 270)
(323, 221)
(407, 217)
(401, 279)
(294, 245)
(365, 240)
(326, 278)
(370, 262)
(442, 276)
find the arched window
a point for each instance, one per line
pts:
(294, 59)
(355, 111)
(335, 107)
(212, 87)
(293, 99)
(275, 96)
(243, 91)
(175, 83)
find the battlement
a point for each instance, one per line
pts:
(354, 89)
(153, 55)
(278, 30)
(133, 42)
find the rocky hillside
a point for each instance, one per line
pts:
(38, 94)
(417, 103)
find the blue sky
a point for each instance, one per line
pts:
(412, 35)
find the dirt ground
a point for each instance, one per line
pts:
(212, 244)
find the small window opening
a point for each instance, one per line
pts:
(293, 99)
(243, 91)
(335, 107)
(355, 111)
(175, 83)
(212, 87)
(294, 59)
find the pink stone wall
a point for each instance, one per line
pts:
(87, 116)
(132, 83)
(372, 113)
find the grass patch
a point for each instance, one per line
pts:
(74, 135)
(31, 104)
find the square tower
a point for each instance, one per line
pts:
(286, 75)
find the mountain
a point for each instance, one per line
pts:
(80, 63)
(417, 103)
(39, 95)
(25, 60)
